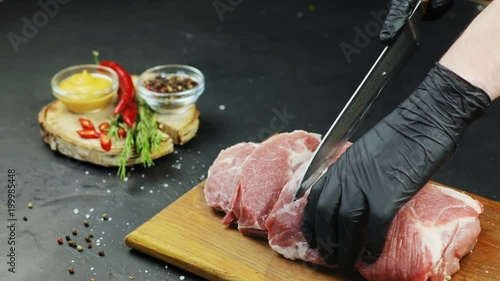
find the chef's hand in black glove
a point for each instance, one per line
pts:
(351, 207)
(400, 11)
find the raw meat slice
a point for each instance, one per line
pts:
(222, 178)
(428, 237)
(284, 222)
(263, 176)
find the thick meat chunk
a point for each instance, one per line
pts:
(426, 241)
(222, 178)
(428, 237)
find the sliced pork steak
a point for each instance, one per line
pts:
(263, 176)
(222, 178)
(284, 222)
(428, 237)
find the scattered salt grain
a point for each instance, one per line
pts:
(86, 172)
(142, 176)
(180, 182)
(250, 80)
(91, 269)
(127, 223)
(91, 209)
(108, 191)
(87, 216)
(110, 218)
(192, 168)
(76, 212)
(182, 277)
(165, 185)
(176, 152)
(132, 169)
(300, 15)
(487, 271)
(150, 191)
(76, 180)
(109, 174)
(166, 266)
(146, 271)
(72, 261)
(125, 179)
(199, 152)
(142, 187)
(103, 181)
(188, 35)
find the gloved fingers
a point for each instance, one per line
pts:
(380, 220)
(326, 214)
(309, 218)
(399, 11)
(434, 9)
(351, 228)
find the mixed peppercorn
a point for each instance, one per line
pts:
(170, 84)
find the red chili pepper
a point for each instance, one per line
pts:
(126, 93)
(86, 124)
(127, 88)
(88, 134)
(105, 142)
(129, 115)
(126, 103)
(122, 133)
(104, 127)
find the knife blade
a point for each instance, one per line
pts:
(388, 64)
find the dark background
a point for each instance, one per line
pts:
(263, 56)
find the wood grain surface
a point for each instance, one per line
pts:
(188, 234)
(58, 128)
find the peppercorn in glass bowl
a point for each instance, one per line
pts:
(171, 89)
(85, 88)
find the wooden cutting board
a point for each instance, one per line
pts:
(189, 235)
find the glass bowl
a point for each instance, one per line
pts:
(83, 98)
(174, 102)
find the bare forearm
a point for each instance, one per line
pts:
(475, 56)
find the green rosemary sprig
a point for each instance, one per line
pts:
(125, 154)
(144, 138)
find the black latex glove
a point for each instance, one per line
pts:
(350, 209)
(400, 10)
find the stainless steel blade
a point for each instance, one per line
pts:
(387, 65)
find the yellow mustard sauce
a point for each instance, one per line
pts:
(86, 92)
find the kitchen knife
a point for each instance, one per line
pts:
(387, 65)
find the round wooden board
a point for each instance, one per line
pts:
(58, 128)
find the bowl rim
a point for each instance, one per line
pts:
(186, 93)
(67, 94)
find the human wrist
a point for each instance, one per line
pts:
(475, 56)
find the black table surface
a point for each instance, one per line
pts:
(260, 58)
